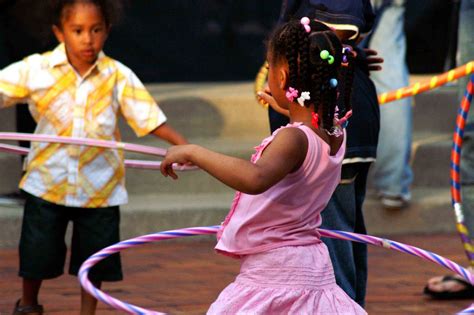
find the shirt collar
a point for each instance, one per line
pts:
(59, 57)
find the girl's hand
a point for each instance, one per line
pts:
(179, 154)
(268, 98)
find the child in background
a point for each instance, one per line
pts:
(272, 225)
(76, 91)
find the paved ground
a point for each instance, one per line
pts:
(184, 277)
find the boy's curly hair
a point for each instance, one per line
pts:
(308, 71)
(112, 10)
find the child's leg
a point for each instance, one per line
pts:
(88, 302)
(42, 249)
(93, 230)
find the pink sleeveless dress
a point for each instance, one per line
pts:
(285, 268)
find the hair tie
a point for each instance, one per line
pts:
(324, 54)
(335, 131)
(291, 94)
(305, 22)
(315, 120)
(343, 121)
(304, 97)
(345, 60)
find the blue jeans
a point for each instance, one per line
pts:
(344, 212)
(466, 54)
(392, 172)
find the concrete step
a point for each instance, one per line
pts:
(430, 159)
(198, 110)
(192, 182)
(436, 110)
(430, 212)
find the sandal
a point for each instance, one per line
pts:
(27, 309)
(466, 293)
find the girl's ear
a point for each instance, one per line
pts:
(58, 33)
(283, 78)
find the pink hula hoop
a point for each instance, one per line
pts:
(133, 309)
(137, 164)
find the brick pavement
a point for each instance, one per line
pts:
(183, 277)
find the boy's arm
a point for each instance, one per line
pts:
(14, 84)
(142, 113)
(283, 155)
(167, 133)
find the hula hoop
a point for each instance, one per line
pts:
(171, 234)
(456, 168)
(433, 83)
(138, 164)
(414, 89)
(260, 80)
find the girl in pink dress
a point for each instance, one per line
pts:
(273, 221)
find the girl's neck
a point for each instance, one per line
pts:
(304, 116)
(301, 114)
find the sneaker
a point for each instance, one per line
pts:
(394, 202)
(12, 199)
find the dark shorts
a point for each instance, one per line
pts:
(43, 248)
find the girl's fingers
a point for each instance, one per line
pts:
(171, 172)
(163, 167)
(166, 168)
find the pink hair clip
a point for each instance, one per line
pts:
(291, 94)
(305, 22)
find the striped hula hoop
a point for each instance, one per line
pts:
(417, 88)
(138, 164)
(172, 234)
(456, 168)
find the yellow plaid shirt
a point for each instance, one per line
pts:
(64, 103)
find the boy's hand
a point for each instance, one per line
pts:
(180, 155)
(373, 61)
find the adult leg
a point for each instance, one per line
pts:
(392, 171)
(339, 214)
(360, 249)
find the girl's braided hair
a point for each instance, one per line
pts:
(111, 9)
(309, 72)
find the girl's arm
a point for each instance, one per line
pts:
(167, 133)
(270, 100)
(285, 154)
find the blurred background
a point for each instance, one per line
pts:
(213, 40)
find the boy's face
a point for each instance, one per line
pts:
(83, 31)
